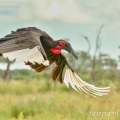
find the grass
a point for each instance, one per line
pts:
(21, 100)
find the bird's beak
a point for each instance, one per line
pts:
(70, 50)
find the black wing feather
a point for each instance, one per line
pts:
(21, 39)
(57, 73)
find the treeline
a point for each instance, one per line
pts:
(104, 67)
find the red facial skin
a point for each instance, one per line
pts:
(62, 43)
(57, 49)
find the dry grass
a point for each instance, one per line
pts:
(32, 101)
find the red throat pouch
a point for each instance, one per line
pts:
(56, 50)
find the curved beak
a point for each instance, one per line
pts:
(70, 50)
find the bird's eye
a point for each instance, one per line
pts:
(62, 43)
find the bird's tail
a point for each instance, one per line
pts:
(81, 86)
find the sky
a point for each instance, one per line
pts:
(63, 19)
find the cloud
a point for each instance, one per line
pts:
(104, 10)
(64, 11)
(68, 11)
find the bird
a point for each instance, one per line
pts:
(39, 50)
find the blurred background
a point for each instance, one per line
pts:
(93, 29)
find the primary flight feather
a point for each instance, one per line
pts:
(38, 50)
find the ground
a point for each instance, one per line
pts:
(21, 100)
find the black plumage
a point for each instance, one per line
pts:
(38, 50)
(29, 38)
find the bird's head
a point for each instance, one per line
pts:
(62, 44)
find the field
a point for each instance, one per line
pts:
(21, 100)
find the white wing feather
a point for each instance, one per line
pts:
(27, 55)
(81, 86)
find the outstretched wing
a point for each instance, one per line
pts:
(65, 73)
(24, 45)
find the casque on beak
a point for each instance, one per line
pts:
(68, 48)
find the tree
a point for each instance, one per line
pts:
(88, 41)
(97, 47)
(6, 74)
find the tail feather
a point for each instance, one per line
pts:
(81, 86)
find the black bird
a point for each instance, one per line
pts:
(38, 50)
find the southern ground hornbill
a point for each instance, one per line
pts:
(38, 50)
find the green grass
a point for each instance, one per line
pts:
(21, 100)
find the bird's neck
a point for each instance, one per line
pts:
(56, 50)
